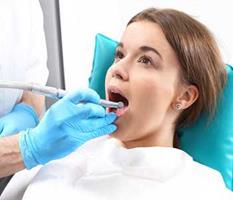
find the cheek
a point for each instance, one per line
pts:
(153, 95)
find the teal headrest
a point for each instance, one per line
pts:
(210, 145)
(104, 46)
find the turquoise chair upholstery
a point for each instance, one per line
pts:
(210, 145)
(104, 46)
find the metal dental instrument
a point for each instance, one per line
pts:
(51, 92)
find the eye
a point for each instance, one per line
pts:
(118, 55)
(145, 60)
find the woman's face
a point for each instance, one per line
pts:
(145, 76)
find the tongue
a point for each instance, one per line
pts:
(119, 111)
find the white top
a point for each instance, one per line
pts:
(101, 169)
(23, 54)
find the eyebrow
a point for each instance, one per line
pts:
(147, 48)
(144, 49)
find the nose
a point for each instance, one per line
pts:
(119, 71)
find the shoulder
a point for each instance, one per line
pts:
(202, 181)
(209, 180)
(206, 173)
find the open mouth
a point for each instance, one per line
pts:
(116, 95)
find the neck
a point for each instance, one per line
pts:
(163, 137)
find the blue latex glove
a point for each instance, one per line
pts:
(20, 118)
(65, 126)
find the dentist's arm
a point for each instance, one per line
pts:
(37, 102)
(65, 126)
(10, 156)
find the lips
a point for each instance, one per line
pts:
(115, 94)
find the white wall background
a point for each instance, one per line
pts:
(81, 20)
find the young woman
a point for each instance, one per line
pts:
(167, 70)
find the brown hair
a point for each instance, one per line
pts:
(198, 54)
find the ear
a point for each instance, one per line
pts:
(188, 94)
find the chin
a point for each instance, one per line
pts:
(121, 134)
(118, 132)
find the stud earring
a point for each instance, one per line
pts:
(178, 106)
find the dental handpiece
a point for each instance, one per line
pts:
(51, 92)
(111, 104)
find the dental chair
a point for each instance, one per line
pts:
(210, 145)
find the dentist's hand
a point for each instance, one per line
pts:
(66, 126)
(20, 118)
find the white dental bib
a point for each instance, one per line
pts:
(102, 169)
